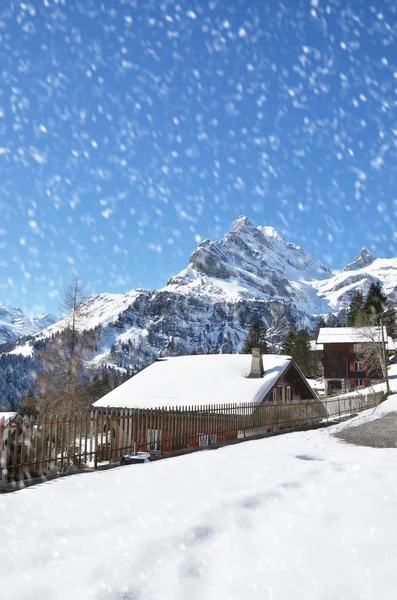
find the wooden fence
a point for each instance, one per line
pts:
(31, 448)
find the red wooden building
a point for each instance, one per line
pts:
(344, 351)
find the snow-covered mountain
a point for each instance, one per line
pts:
(358, 275)
(252, 273)
(14, 324)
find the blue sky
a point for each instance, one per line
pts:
(131, 130)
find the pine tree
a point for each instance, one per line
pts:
(319, 324)
(361, 319)
(288, 344)
(302, 353)
(256, 338)
(355, 309)
(341, 318)
(371, 309)
(375, 303)
(376, 309)
(297, 345)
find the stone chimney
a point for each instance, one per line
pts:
(257, 369)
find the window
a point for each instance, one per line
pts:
(277, 394)
(357, 348)
(289, 399)
(358, 365)
(359, 383)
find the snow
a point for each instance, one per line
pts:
(345, 335)
(316, 384)
(381, 269)
(299, 516)
(97, 309)
(23, 350)
(14, 324)
(315, 347)
(197, 380)
(7, 416)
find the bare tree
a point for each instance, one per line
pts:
(62, 381)
(372, 353)
(70, 304)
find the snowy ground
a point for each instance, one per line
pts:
(299, 516)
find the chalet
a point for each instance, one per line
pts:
(343, 350)
(204, 382)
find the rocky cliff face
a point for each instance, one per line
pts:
(252, 273)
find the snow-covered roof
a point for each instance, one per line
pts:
(7, 416)
(197, 381)
(316, 384)
(349, 335)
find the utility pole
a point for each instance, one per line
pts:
(385, 358)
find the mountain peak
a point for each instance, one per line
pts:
(241, 223)
(364, 252)
(362, 259)
(271, 232)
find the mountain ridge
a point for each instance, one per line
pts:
(251, 273)
(14, 324)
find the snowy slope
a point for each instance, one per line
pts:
(97, 309)
(295, 517)
(339, 289)
(14, 324)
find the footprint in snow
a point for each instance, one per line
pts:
(307, 457)
(198, 535)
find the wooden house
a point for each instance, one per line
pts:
(345, 369)
(203, 399)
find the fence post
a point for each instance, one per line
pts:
(162, 430)
(56, 441)
(42, 445)
(49, 444)
(172, 427)
(3, 455)
(29, 444)
(96, 439)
